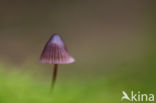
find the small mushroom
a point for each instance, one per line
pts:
(55, 52)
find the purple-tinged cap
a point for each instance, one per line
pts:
(55, 52)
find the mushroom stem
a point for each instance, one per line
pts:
(54, 75)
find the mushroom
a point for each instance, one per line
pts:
(55, 52)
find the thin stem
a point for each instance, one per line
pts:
(54, 75)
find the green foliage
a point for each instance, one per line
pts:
(18, 87)
(22, 87)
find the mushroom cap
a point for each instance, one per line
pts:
(55, 52)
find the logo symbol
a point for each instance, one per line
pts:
(137, 97)
(125, 96)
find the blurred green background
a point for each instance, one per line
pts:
(113, 43)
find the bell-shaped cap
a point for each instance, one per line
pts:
(55, 52)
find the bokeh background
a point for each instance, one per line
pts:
(113, 42)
